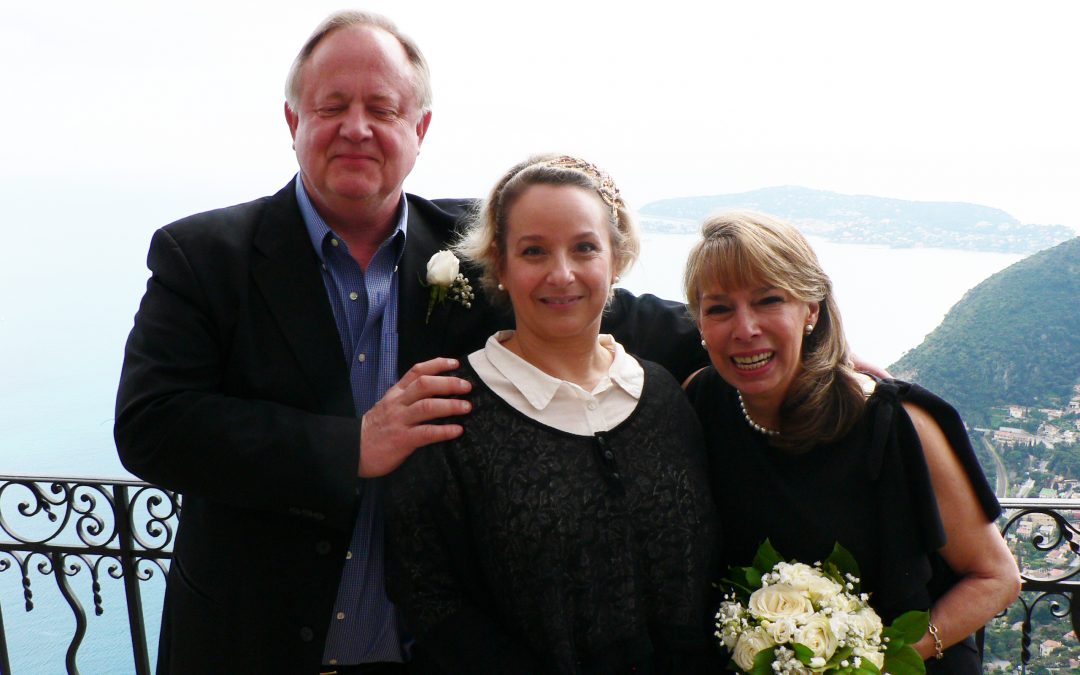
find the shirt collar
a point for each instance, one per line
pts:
(625, 371)
(539, 388)
(318, 230)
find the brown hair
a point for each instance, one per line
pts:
(742, 248)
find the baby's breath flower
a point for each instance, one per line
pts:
(446, 282)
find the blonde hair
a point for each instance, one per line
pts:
(345, 19)
(484, 239)
(741, 249)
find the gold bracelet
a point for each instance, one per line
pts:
(938, 653)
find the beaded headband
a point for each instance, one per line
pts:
(605, 186)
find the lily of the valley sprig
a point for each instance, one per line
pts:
(446, 282)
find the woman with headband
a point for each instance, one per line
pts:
(570, 529)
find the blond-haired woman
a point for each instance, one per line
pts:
(569, 530)
(807, 452)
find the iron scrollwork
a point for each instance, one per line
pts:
(1045, 540)
(58, 527)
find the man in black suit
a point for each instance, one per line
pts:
(283, 358)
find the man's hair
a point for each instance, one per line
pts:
(344, 19)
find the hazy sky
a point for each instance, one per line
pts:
(179, 103)
(120, 116)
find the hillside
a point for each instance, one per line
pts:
(1014, 338)
(865, 219)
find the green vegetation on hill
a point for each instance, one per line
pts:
(1014, 338)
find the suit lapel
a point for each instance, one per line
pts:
(419, 338)
(286, 271)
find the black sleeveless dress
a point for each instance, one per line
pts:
(870, 492)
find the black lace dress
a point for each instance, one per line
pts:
(871, 492)
(520, 548)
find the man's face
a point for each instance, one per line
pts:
(357, 129)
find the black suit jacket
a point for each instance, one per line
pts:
(235, 392)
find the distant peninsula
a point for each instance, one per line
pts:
(864, 219)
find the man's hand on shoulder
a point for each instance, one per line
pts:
(864, 366)
(400, 422)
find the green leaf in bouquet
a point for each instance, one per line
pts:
(838, 656)
(866, 667)
(766, 557)
(802, 652)
(843, 562)
(742, 580)
(908, 628)
(904, 661)
(763, 662)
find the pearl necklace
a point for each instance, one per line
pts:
(749, 420)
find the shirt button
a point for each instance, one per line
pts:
(322, 548)
(333, 242)
(361, 358)
(306, 634)
(341, 616)
(354, 295)
(592, 405)
(609, 455)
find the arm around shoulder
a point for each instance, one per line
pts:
(974, 549)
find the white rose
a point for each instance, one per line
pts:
(866, 622)
(791, 572)
(778, 601)
(750, 643)
(782, 630)
(810, 579)
(817, 635)
(839, 624)
(873, 656)
(442, 269)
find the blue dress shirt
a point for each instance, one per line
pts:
(364, 626)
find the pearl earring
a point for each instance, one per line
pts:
(703, 343)
(500, 286)
(809, 328)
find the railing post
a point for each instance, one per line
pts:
(5, 666)
(131, 580)
(58, 560)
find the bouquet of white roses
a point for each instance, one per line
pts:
(781, 617)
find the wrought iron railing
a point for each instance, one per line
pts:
(88, 530)
(1044, 535)
(74, 532)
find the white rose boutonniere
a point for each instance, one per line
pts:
(446, 282)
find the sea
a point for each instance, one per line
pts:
(64, 317)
